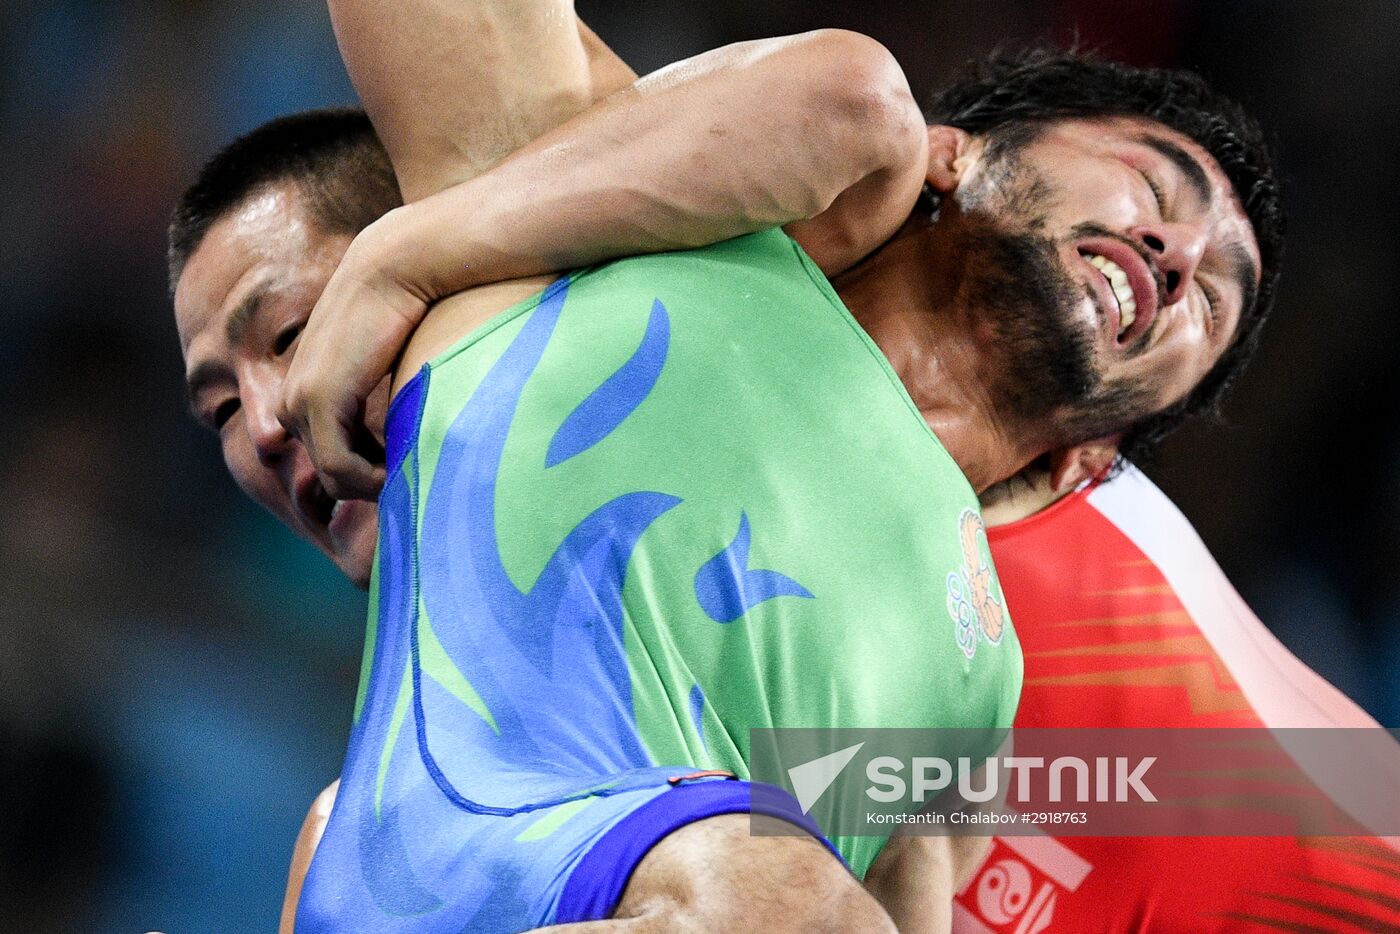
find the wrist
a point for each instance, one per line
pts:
(444, 244)
(380, 271)
(391, 254)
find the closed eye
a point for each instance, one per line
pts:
(1213, 303)
(1157, 194)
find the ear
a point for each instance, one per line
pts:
(1071, 466)
(950, 153)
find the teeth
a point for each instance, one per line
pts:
(1122, 290)
(321, 504)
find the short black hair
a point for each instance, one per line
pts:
(333, 156)
(1013, 90)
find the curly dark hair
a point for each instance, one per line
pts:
(1010, 91)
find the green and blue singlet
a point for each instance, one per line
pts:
(666, 501)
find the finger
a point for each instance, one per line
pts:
(295, 408)
(291, 413)
(354, 478)
(365, 442)
(344, 473)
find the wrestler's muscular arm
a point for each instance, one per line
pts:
(747, 137)
(308, 838)
(454, 86)
(770, 878)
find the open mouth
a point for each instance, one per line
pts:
(1120, 288)
(1127, 290)
(315, 503)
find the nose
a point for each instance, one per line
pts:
(1177, 250)
(260, 397)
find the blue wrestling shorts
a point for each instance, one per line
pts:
(560, 864)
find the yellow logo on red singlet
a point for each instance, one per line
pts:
(972, 591)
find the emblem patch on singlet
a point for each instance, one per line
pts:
(972, 592)
(1017, 887)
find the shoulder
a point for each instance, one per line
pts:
(457, 316)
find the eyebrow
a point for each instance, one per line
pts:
(1195, 174)
(245, 312)
(1242, 267)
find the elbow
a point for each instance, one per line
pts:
(863, 93)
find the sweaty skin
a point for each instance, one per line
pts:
(485, 305)
(667, 889)
(627, 177)
(453, 87)
(268, 246)
(955, 164)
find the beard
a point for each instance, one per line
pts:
(1049, 378)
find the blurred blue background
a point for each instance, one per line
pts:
(177, 673)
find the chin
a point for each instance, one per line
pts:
(356, 561)
(357, 567)
(359, 575)
(354, 553)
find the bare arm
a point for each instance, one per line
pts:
(453, 86)
(744, 138)
(308, 838)
(916, 877)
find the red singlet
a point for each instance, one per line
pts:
(1127, 621)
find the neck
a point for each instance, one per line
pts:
(908, 297)
(1021, 497)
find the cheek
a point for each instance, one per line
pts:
(1196, 355)
(1177, 373)
(255, 479)
(1105, 205)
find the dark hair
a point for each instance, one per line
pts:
(1012, 90)
(333, 156)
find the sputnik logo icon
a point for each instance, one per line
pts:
(810, 780)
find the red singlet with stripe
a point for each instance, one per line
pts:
(1127, 621)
